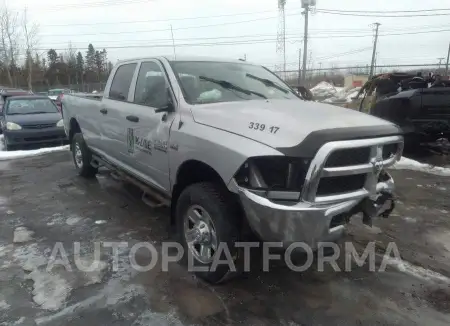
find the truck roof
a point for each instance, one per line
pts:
(189, 58)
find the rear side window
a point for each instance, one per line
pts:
(122, 81)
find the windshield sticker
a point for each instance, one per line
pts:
(262, 127)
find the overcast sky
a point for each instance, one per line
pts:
(115, 24)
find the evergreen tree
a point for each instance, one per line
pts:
(79, 67)
(90, 58)
(52, 57)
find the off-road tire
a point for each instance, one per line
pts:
(85, 170)
(224, 213)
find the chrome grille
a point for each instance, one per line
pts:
(349, 169)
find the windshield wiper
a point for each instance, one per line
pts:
(36, 112)
(268, 82)
(227, 85)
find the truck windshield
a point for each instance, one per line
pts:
(212, 82)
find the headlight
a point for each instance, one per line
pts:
(12, 126)
(274, 176)
(60, 123)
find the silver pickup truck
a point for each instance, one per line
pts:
(229, 146)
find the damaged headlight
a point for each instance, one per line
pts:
(275, 177)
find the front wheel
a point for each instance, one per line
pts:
(207, 223)
(82, 157)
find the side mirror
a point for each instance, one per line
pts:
(170, 106)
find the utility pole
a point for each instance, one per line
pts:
(448, 58)
(377, 25)
(305, 42)
(299, 66)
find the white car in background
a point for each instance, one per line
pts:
(54, 93)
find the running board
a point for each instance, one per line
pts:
(149, 201)
(150, 197)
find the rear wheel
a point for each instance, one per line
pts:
(207, 223)
(82, 157)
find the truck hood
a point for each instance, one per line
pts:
(286, 123)
(29, 119)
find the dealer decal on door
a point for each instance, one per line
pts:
(136, 142)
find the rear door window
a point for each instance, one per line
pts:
(121, 83)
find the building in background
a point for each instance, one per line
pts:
(352, 81)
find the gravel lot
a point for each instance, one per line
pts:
(43, 202)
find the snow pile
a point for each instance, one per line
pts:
(35, 152)
(409, 164)
(345, 95)
(324, 90)
(22, 153)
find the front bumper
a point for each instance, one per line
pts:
(35, 136)
(310, 223)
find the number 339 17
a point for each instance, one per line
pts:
(263, 127)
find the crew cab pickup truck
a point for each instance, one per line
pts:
(229, 146)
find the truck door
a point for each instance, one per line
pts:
(112, 114)
(147, 130)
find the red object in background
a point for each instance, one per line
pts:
(357, 83)
(58, 101)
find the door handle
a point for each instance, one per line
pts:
(132, 118)
(103, 111)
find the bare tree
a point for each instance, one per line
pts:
(4, 43)
(10, 37)
(30, 31)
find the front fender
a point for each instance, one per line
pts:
(225, 152)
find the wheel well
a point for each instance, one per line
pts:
(191, 172)
(74, 128)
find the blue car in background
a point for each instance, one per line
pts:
(31, 120)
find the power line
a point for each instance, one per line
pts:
(386, 11)
(160, 20)
(167, 29)
(192, 27)
(379, 66)
(380, 16)
(92, 5)
(386, 34)
(343, 53)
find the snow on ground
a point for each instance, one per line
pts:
(22, 153)
(409, 164)
(22, 234)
